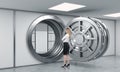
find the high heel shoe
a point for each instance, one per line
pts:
(68, 66)
(64, 66)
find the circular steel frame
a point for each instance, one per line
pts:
(57, 25)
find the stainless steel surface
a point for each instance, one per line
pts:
(55, 52)
(89, 38)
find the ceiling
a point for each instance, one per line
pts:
(95, 8)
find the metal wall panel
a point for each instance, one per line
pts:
(6, 39)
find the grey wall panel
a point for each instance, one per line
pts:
(6, 38)
(23, 56)
(118, 37)
(111, 27)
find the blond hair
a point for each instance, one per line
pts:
(69, 31)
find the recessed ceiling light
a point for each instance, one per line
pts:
(113, 15)
(66, 7)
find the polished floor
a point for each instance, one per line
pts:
(103, 64)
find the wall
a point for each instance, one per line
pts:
(118, 37)
(23, 56)
(6, 39)
(22, 21)
(111, 28)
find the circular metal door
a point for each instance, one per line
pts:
(89, 38)
(57, 26)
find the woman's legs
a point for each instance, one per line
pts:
(65, 59)
(68, 59)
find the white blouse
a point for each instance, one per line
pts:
(66, 38)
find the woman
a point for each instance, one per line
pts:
(65, 40)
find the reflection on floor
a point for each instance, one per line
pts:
(103, 64)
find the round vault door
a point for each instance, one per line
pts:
(89, 38)
(44, 38)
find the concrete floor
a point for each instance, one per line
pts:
(103, 64)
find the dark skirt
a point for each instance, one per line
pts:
(66, 48)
